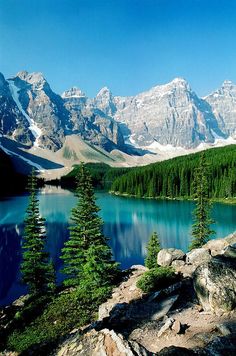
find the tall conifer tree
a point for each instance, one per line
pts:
(86, 254)
(201, 230)
(153, 248)
(35, 268)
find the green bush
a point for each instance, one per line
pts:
(156, 279)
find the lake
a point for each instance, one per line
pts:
(128, 222)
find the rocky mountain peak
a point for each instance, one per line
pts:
(22, 74)
(228, 84)
(104, 92)
(73, 92)
(35, 79)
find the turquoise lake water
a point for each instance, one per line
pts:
(128, 223)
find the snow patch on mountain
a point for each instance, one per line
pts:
(36, 131)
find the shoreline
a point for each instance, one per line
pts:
(228, 201)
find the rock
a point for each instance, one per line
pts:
(225, 246)
(230, 251)
(222, 346)
(164, 306)
(216, 246)
(198, 256)
(165, 292)
(177, 263)
(168, 324)
(101, 343)
(226, 328)
(175, 351)
(139, 268)
(166, 256)
(20, 302)
(231, 239)
(176, 327)
(215, 285)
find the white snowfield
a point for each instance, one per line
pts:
(36, 131)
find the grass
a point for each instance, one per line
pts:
(37, 330)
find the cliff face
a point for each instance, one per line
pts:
(31, 113)
(168, 114)
(223, 104)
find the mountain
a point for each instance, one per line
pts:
(165, 121)
(168, 114)
(13, 122)
(47, 118)
(223, 105)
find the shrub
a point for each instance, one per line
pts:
(156, 279)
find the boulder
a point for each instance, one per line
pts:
(175, 351)
(168, 324)
(176, 327)
(231, 239)
(101, 343)
(215, 285)
(177, 263)
(230, 251)
(167, 255)
(216, 246)
(198, 256)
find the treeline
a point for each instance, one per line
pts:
(174, 178)
(102, 175)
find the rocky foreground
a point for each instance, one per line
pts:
(195, 316)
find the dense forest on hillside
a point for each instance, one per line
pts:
(174, 178)
(11, 181)
(102, 175)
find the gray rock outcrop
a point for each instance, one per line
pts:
(223, 104)
(215, 284)
(101, 343)
(166, 256)
(198, 256)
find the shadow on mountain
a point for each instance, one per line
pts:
(19, 163)
(134, 151)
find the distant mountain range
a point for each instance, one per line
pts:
(32, 115)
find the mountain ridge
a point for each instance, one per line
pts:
(165, 118)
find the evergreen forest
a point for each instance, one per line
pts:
(174, 178)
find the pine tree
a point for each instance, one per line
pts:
(153, 248)
(201, 230)
(86, 254)
(35, 268)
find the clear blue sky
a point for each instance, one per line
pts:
(127, 45)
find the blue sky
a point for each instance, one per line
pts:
(127, 45)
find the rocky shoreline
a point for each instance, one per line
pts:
(195, 316)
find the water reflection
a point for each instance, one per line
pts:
(128, 223)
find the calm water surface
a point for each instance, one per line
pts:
(128, 222)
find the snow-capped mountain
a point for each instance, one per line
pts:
(223, 105)
(45, 118)
(168, 114)
(171, 114)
